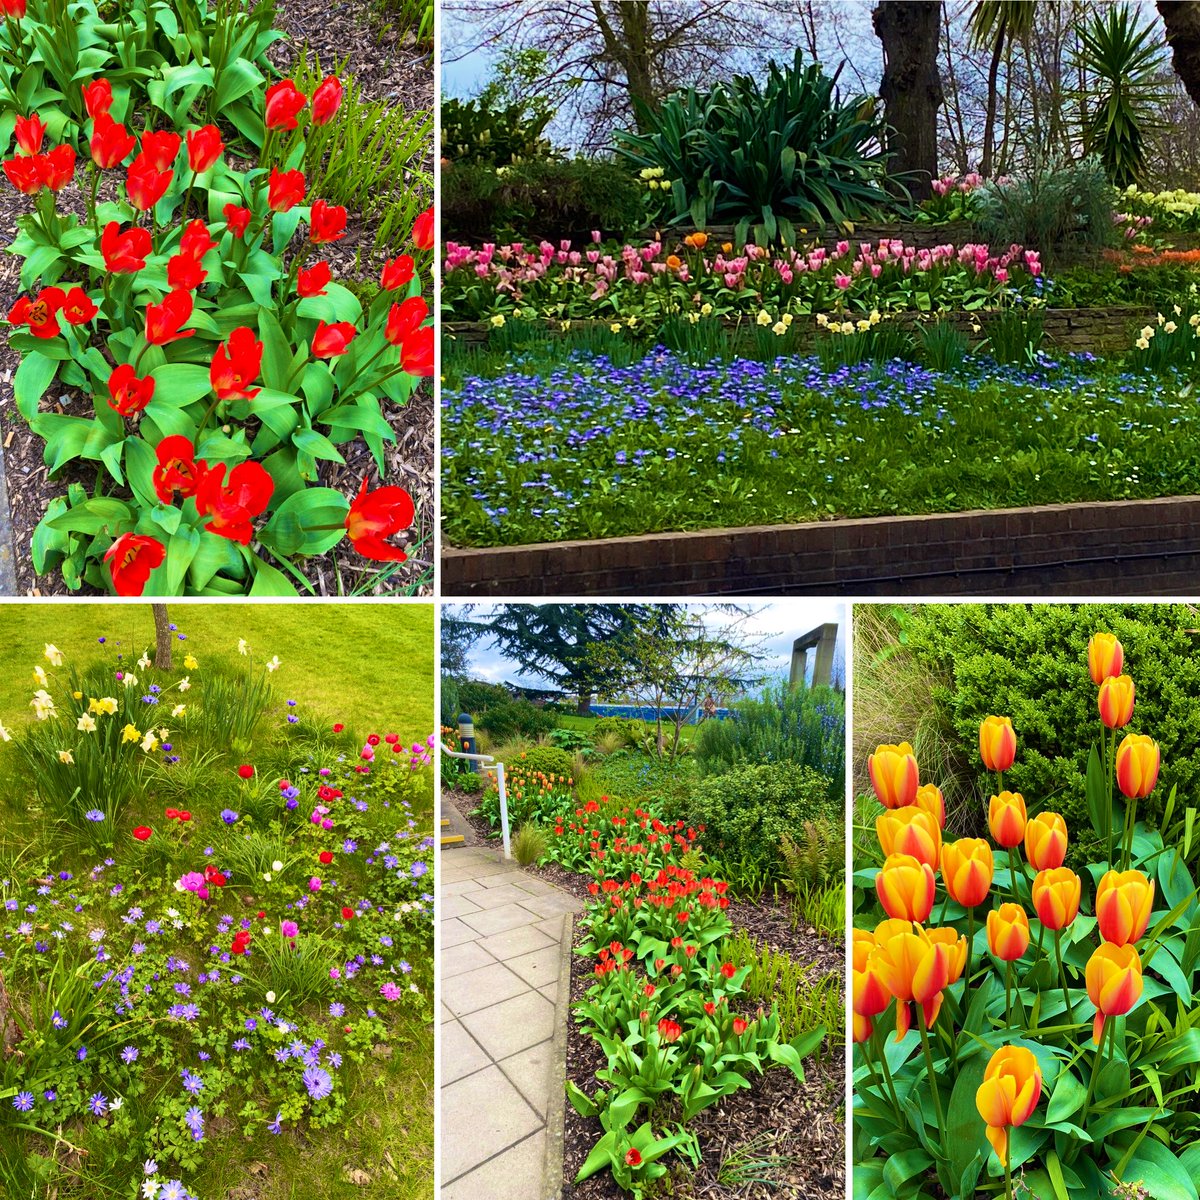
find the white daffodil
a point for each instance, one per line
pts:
(5, 736)
(53, 655)
(39, 675)
(86, 723)
(185, 683)
(179, 710)
(274, 664)
(149, 742)
(243, 647)
(65, 756)
(144, 662)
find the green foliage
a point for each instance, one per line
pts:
(1170, 343)
(767, 156)
(631, 730)
(571, 740)
(545, 760)
(475, 697)
(476, 132)
(515, 718)
(469, 783)
(1015, 335)
(638, 776)
(815, 857)
(529, 844)
(451, 704)
(237, 695)
(942, 345)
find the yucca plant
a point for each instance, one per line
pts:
(768, 156)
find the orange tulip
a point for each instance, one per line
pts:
(1011, 1088)
(1106, 657)
(1115, 701)
(1123, 904)
(1006, 819)
(997, 743)
(1008, 932)
(870, 992)
(1056, 895)
(893, 771)
(929, 798)
(914, 969)
(967, 870)
(1046, 841)
(1114, 983)
(905, 887)
(956, 951)
(1137, 765)
(910, 831)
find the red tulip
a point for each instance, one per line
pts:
(185, 273)
(422, 230)
(127, 393)
(416, 354)
(397, 273)
(326, 222)
(97, 98)
(125, 253)
(142, 832)
(13, 8)
(58, 168)
(245, 771)
(145, 184)
(204, 147)
(30, 131)
(285, 190)
(130, 560)
(178, 473)
(236, 219)
(40, 315)
(27, 175)
(405, 319)
(235, 365)
(111, 142)
(161, 148)
(196, 241)
(234, 505)
(165, 321)
(330, 341)
(283, 105)
(326, 100)
(78, 307)
(374, 518)
(312, 281)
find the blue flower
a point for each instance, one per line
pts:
(23, 1101)
(98, 1104)
(317, 1081)
(274, 1126)
(129, 1055)
(94, 814)
(228, 816)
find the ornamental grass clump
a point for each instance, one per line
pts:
(1043, 1019)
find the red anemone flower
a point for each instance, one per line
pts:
(161, 148)
(30, 131)
(172, 814)
(178, 473)
(145, 184)
(325, 857)
(283, 104)
(330, 341)
(285, 189)
(127, 393)
(40, 314)
(111, 142)
(312, 281)
(184, 815)
(142, 832)
(347, 914)
(130, 560)
(326, 222)
(405, 319)
(422, 230)
(374, 518)
(326, 100)
(234, 505)
(125, 253)
(165, 321)
(338, 728)
(246, 771)
(397, 273)
(235, 364)
(204, 147)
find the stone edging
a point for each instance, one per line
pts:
(1100, 548)
(8, 564)
(552, 1172)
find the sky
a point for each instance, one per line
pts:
(782, 621)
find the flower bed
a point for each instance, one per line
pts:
(216, 927)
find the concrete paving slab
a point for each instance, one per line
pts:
(528, 1070)
(481, 988)
(514, 942)
(494, 896)
(457, 906)
(514, 1175)
(466, 956)
(544, 906)
(497, 920)
(462, 1055)
(482, 1115)
(512, 1025)
(537, 969)
(453, 933)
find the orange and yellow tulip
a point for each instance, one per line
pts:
(910, 831)
(1011, 1088)
(997, 743)
(1114, 983)
(1056, 895)
(906, 888)
(893, 772)
(1115, 701)
(1106, 657)
(1137, 765)
(1006, 819)
(930, 799)
(1046, 841)
(1123, 903)
(967, 870)
(914, 968)
(870, 992)
(956, 951)
(1008, 932)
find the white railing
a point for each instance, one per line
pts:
(485, 760)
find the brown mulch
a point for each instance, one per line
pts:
(390, 68)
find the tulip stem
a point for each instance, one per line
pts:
(1062, 975)
(1008, 1192)
(1097, 1060)
(933, 1084)
(888, 1092)
(1012, 873)
(1008, 974)
(970, 947)
(208, 412)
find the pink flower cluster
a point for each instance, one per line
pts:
(954, 183)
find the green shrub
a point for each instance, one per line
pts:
(528, 845)
(630, 729)
(747, 810)
(570, 739)
(484, 132)
(470, 783)
(546, 760)
(515, 718)
(815, 857)
(647, 780)
(451, 705)
(475, 697)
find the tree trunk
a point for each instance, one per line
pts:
(993, 96)
(911, 88)
(162, 637)
(631, 50)
(1182, 19)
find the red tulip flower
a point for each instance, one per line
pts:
(633, 1157)
(374, 518)
(422, 230)
(234, 505)
(130, 560)
(416, 353)
(326, 222)
(245, 771)
(161, 148)
(204, 148)
(30, 131)
(185, 273)
(178, 474)
(331, 341)
(124, 253)
(285, 190)
(405, 319)
(195, 240)
(97, 98)
(111, 143)
(145, 184)
(142, 832)
(397, 273)
(165, 321)
(283, 105)
(127, 393)
(78, 307)
(13, 8)
(27, 175)
(312, 281)
(326, 100)
(668, 1030)
(58, 168)
(235, 365)
(237, 219)
(40, 315)
(739, 1026)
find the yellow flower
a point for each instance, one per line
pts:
(706, 310)
(86, 723)
(788, 319)
(149, 743)
(1142, 344)
(190, 663)
(1148, 331)
(764, 317)
(497, 321)
(105, 706)
(1170, 327)
(779, 328)
(130, 734)
(65, 756)
(76, 695)
(179, 710)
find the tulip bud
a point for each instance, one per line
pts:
(1115, 701)
(929, 798)
(1123, 904)
(967, 870)
(893, 771)
(1046, 841)
(1114, 983)
(1056, 895)
(1008, 932)
(1137, 766)
(1006, 819)
(1106, 657)
(997, 743)
(1008, 1095)
(906, 888)
(910, 831)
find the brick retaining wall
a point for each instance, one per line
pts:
(1117, 548)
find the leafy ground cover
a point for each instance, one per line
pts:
(617, 440)
(216, 938)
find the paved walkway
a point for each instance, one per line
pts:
(505, 991)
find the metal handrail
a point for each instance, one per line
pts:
(485, 759)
